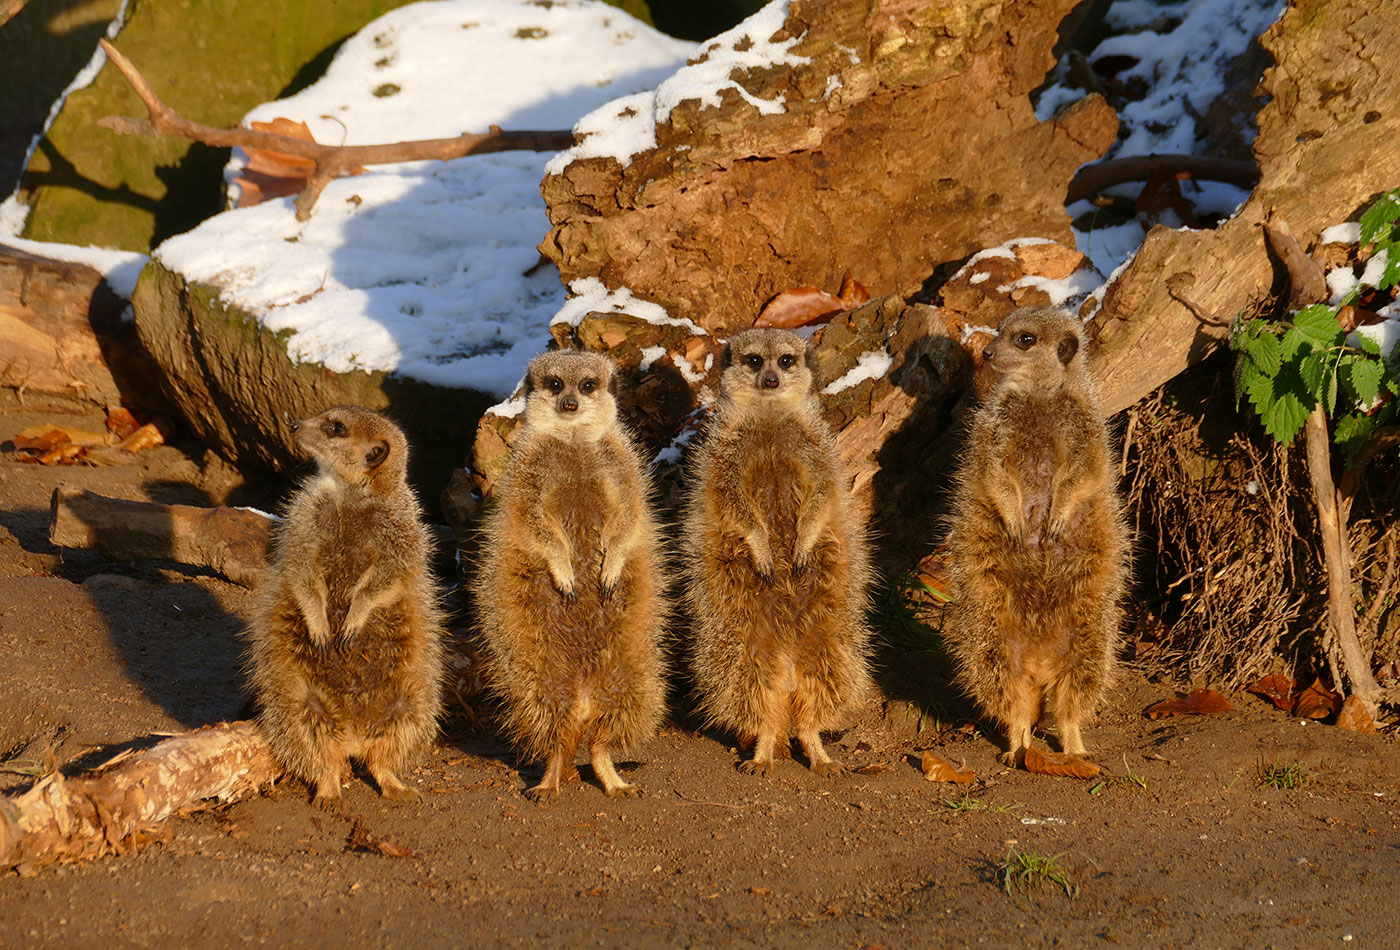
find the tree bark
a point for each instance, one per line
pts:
(112, 809)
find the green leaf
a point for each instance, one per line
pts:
(1291, 342)
(1363, 379)
(1265, 352)
(1331, 393)
(1351, 431)
(1318, 324)
(1380, 216)
(1285, 417)
(1313, 370)
(1366, 344)
(1392, 268)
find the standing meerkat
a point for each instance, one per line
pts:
(1038, 545)
(777, 569)
(570, 593)
(347, 642)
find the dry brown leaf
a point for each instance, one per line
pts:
(273, 174)
(1355, 717)
(148, 436)
(362, 840)
(266, 161)
(1199, 702)
(45, 437)
(120, 421)
(799, 307)
(1059, 763)
(940, 770)
(1279, 690)
(66, 452)
(1317, 702)
(853, 292)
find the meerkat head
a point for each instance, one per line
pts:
(355, 446)
(766, 367)
(571, 393)
(1036, 348)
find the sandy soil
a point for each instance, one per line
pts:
(98, 653)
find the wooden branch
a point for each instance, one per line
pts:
(1092, 179)
(1306, 279)
(329, 160)
(1341, 617)
(113, 808)
(232, 541)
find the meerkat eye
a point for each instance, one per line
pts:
(587, 386)
(787, 360)
(554, 384)
(335, 429)
(753, 361)
(1024, 341)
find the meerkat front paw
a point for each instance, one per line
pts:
(755, 766)
(542, 794)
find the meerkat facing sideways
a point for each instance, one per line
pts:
(1038, 545)
(570, 595)
(777, 570)
(346, 648)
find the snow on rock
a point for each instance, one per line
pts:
(428, 269)
(869, 365)
(627, 126)
(590, 295)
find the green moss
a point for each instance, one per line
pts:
(210, 60)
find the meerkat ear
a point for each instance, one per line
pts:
(377, 453)
(1067, 348)
(613, 384)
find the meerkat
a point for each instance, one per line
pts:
(346, 654)
(570, 594)
(777, 569)
(1037, 541)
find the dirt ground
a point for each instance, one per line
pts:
(1196, 852)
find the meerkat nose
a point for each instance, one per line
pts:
(294, 427)
(987, 353)
(770, 380)
(568, 404)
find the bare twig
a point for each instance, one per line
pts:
(1092, 179)
(329, 160)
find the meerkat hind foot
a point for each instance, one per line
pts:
(755, 766)
(606, 773)
(817, 759)
(391, 788)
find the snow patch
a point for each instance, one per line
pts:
(869, 365)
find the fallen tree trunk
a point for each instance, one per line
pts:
(62, 334)
(231, 541)
(112, 809)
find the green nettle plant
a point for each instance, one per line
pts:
(1310, 372)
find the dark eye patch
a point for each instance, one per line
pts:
(554, 384)
(335, 429)
(587, 386)
(1024, 340)
(753, 361)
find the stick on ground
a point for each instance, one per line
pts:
(111, 809)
